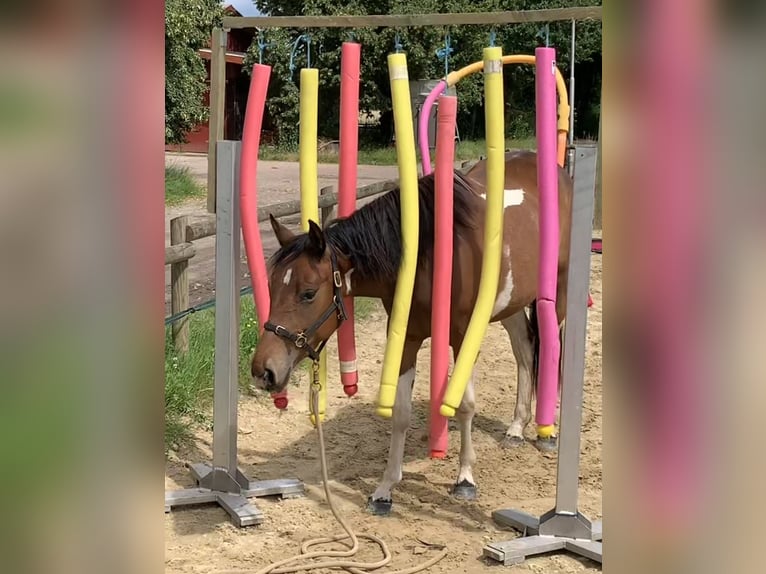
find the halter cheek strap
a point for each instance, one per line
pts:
(301, 338)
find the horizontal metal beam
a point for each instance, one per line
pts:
(412, 20)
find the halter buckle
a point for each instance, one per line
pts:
(336, 278)
(300, 340)
(281, 331)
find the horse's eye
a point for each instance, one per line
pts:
(308, 296)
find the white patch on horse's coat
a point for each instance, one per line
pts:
(511, 197)
(348, 366)
(288, 276)
(506, 292)
(465, 416)
(348, 280)
(400, 422)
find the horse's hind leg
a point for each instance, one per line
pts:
(465, 487)
(522, 342)
(381, 501)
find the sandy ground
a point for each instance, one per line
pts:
(277, 445)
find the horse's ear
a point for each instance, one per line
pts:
(316, 238)
(283, 234)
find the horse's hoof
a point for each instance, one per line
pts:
(380, 507)
(513, 441)
(548, 444)
(464, 490)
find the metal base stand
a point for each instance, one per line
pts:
(223, 482)
(585, 538)
(232, 494)
(564, 527)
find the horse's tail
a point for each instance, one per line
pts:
(534, 334)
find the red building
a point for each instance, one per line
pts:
(237, 86)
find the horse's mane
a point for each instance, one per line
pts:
(371, 236)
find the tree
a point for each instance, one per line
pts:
(188, 26)
(420, 45)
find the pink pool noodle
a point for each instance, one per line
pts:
(350, 63)
(547, 183)
(425, 113)
(248, 200)
(441, 293)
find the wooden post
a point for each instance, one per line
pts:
(217, 108)
(179, 283)
(327, 212)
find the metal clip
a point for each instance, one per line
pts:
(315, 383)
(300, 340)
(397, 43)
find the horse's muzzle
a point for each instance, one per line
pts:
(266, 377)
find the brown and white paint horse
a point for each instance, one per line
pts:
(360, 256)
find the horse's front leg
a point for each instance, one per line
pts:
(465, 487)
(381, 501)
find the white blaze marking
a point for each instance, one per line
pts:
(510, 197)
(288, 276)
(348, 282)
(504, 296)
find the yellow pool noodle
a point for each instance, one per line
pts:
(493, 232)
(309, 116)
(545, 431)
(408, 185)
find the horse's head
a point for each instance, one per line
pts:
(306, 305)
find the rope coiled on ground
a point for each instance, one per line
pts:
(340, 558)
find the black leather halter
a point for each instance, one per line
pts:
(301, 338)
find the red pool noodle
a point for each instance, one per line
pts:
(442, 274)
(248, 200)
(350, 63)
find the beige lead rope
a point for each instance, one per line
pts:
(342, 557)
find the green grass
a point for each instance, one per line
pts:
(364, 307)
(180, 185)
(189, 381)
(189, 378)
(466, 150)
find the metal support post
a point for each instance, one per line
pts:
(570, 159)
(223, 482)
(217, 119)
(564, 527)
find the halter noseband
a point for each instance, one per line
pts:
(301, 338)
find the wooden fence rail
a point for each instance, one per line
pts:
(205, 226)
(180, 252)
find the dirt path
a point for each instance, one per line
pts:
(273, 445)
(277, 182)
